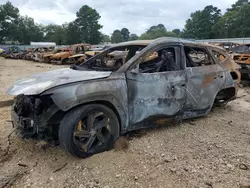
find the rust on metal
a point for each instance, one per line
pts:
(208, 80)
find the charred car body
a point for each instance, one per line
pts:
(66, 56)
(11, 52)
(241, 55)
(86, 107)
(81, 57)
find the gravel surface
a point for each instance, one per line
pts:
(213, 151)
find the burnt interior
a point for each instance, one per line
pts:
(100, 63)
(159, 61)
(197, 56)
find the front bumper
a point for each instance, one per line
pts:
(24, 125)
(33, 117)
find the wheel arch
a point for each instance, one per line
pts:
(111, 92)
(60, 113)
(102, 102)
(226, 94)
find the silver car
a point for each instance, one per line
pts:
(87, 107)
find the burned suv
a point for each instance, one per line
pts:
(87, 107)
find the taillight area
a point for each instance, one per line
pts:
(236, 75)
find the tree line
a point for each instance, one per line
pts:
(14, 27)
(208, 23)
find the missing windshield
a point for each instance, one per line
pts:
(111, 59)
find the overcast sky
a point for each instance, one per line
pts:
(136, 15)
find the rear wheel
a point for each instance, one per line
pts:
(65, 61)
(224, 96)
(89, 129)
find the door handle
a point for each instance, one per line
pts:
(183, 85)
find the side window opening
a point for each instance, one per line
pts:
(218, 56)
(162, 60)
(197, 57)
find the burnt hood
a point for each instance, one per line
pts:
(39, 83)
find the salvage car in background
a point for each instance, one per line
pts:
(10, 52)
(88, 106)
(241, 55)
(64, 57)
(81, 57)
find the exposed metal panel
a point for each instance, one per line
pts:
(159, 94)
(39, 83)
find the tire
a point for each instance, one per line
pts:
(65, 61)
(82, 132)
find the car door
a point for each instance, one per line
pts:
(156, 94)
(204, 81)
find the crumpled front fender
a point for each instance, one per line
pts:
(108, 91)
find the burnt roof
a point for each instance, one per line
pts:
(162, 40)
(166, 40)
(159, 40)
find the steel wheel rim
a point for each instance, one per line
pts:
(92, 131)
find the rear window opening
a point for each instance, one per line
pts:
(197, 57)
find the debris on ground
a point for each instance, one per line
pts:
(121, 144)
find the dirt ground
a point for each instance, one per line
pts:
(213, 151)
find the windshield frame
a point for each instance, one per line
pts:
(131, 48)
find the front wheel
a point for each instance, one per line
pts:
(87, 130)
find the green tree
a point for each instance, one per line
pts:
(159, 26)
(72, 33)
(88, 26)
(125, 34)
(235, 22)
(55, 33)
(28, 30)
(8, 22)
(106, 38)
(201, 23)
(236, 6)
(156, 32)
(242, 21)
(177, 32)
(116, 36)
(133, 36)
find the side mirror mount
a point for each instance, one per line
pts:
(136, 69)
